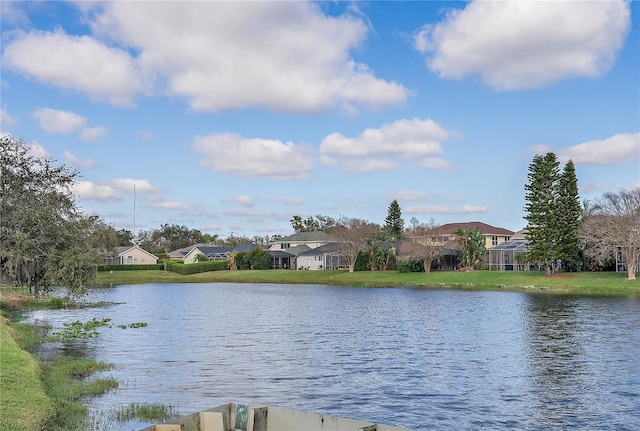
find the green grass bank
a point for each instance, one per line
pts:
(586, 283)
(25, 405)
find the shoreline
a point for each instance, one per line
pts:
(584, 283)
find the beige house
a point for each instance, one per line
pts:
(131, 255)
(445, 235)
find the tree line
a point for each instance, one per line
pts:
(45, 240)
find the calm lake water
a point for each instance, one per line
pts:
(421, 359)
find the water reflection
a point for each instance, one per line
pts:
(569, 365)
(423, 359)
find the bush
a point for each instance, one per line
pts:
(362, 262)
(259, 259)
(195, 268)
(242, 260)
(114, 267)
(411, 266)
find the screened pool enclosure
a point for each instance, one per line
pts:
(505, 256)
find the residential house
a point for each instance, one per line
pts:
(444, 236)
(215, 253)
(130, 255)
(326, 256)
(285, 252)
(504, 256)
(180, 253)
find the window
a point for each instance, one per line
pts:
(285, 245)
(318, 258)
(129, 260)
(494, 240)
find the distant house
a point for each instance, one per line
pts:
(310, 239)
(444, 236)
(131, 255)
(285, 253)
(216, 253)
(180, 253)
(321, 258)
(504, 256)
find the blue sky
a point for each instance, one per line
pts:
(231, 117)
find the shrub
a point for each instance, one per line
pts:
(411, 266)
(195, 268)
(114, 267)
(362, 262)
(243, 261)
(259, 259)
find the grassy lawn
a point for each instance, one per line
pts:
(592, 283)
(25, 405)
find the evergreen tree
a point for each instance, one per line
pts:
(393, 223)
(541, 211)
(568, 217)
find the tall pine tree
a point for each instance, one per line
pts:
(541, 197)
(568, 217)
(552, 213)
(393, 223)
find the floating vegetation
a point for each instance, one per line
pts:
(133, 325)
(78, 329)
(147, 412)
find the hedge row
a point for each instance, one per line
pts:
(194, 268)
(130, 267)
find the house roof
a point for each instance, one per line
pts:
(211, 250)
(279, 253)
(518, 246)
(124, 249)
(315, 236)
(182, 252)
(297, 250)
(521, 235)
(331, 248)
(486, 229)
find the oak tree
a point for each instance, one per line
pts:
(613, 226)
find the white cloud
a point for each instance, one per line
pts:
(58, 121)
(86, 190)
(250, 214)
(620, 148)
(370, 165)
(286, 56)
(89, 134)
(173, 205)
(12, 13)
(251, 158)
(37, 151)
(74, 161)
(540, 150)
(408, 195)
(243, 200)
(515, 45)
(443, 209)
(127, 184)
(114, 189)
(75, 62)
(292, 202)
(436, 163)
(375, 149)
(6, 120)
